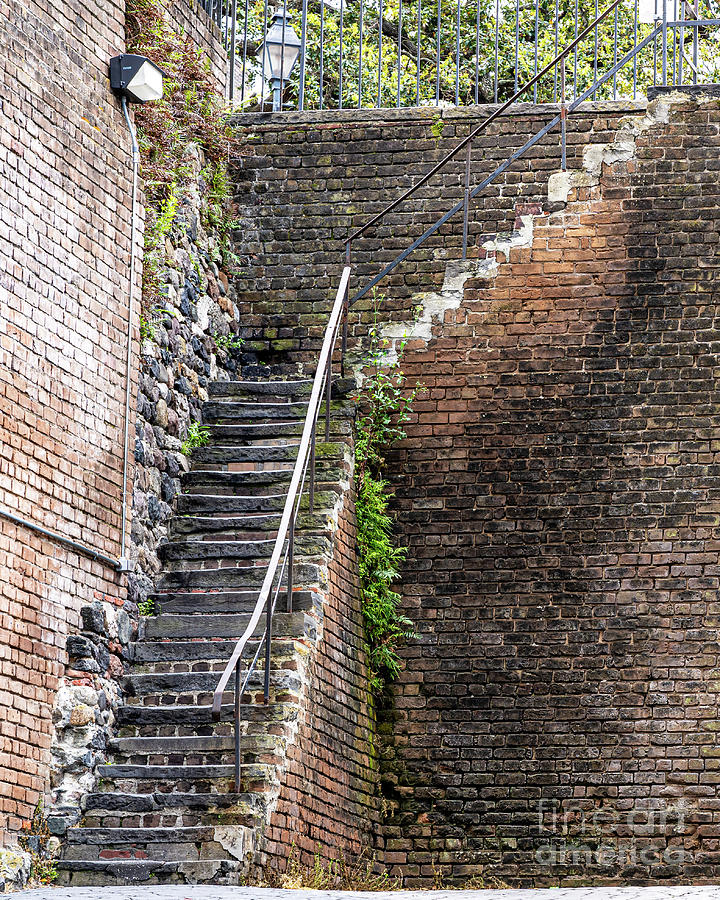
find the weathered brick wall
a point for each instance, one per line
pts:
(555, 490)
(558, 715)
(305, 180)
(64, 252)
(329, 801)
(189, 17)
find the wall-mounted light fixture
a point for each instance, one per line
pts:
(281, 50)
(136, 80)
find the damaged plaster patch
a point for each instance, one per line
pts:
(620, 149)
(521, 237)
(232, 839)
(431, 308)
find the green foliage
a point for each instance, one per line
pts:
(147, 328)
(471, 27)
(191, 112)
(386, 404)
(228, 342)
(147, 607)
(197, 436)
(436, 127)
(35, 840)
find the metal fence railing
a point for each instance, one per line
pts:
(405, 53)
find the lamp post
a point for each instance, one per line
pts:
(279, 54)
(136, 80)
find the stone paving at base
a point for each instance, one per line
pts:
(207, 892)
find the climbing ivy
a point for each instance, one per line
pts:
(191, 112)
(386, 404)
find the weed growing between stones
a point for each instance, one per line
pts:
(385, 405)
(197, 436)
(334, 874)
(42, 847)
(191, 113)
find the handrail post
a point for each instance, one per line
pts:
(268, 642)
(664, 43)
(311, 498)
(328, 389)
(563, 118)
(291, 553)
(346, 314)
(466, 208)
(237, 727)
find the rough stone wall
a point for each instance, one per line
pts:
(328, 801)
(557, 718)
(64, 253)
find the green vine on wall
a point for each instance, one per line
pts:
(191, 112)
(385, 404)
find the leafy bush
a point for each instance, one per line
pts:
(197, 436)
(385, 405)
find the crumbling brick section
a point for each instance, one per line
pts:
(329, 802)
(557, 717)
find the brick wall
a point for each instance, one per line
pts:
(328, 801)
(556, 719)
(189, 17)
(64, 251)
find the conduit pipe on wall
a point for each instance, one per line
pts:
(61, 539)
(125, 564)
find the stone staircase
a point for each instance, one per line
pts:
(166, 808)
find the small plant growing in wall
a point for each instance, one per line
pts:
(197, 436)
(385, 404)
(228, 342)
(37, 841)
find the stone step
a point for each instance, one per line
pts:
(144, 685)
(219, 411)
(289, 388)
(173, 626)
(204, 778)
(256, 747)
(211, 655)
(184, 555)
(196, 714)
(261, 456)
(252, 484)
(224, 505)
(79, 872)
(222, 603)
(164, 844)
(256, 527)
(247, 433)
(232, 578)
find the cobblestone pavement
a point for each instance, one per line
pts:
(206, 892)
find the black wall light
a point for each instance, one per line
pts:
(136, 78)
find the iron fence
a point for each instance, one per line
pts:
(406, 53)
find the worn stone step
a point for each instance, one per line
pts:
(201, 714)
(251, 484)
(233, 578)
(246, 433)
(204, 778)
(224, 505)
(239, 410)
(256, 747)
(261, 454)
(265, 388)
(164, 844)
(171, 625)
(243, 527)
(226, 602)
(247, 805)
(184, 555)
(143, 685)
(79, 872)
(210, 655)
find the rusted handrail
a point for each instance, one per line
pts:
(306, 454)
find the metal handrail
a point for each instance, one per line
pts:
(488, 121)
(322, 384)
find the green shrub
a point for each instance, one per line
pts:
(385, 405)
(197, 436)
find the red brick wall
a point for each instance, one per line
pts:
(64, 252)
(328, 801)
(557, 491)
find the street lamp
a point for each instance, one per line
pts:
(279, 53)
